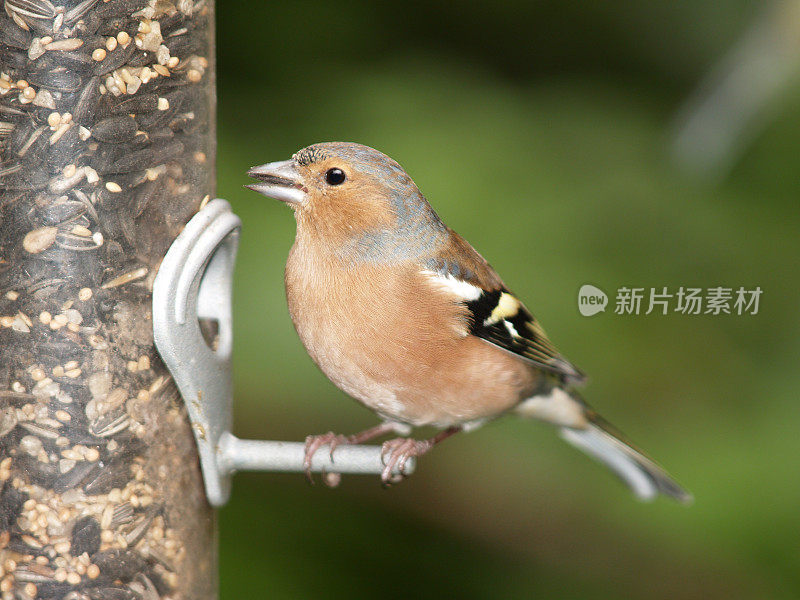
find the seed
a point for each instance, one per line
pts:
(200, 157)
(91, 175)
(73, 578)
(126, 76)
(144, 363)
(99, 54)
(133, 366)
(115, 129)
(93, 571)
(161, 70)
(126, 278)
(70, 454)
(119, 85)
(29, 93)
(155, 172)
(63, 416)
(173, 62)
(22, 84)
(69, 170)
(123, 38)
(162, 54)
(84, 294)
(21, 22)
(134, 85)
(59, 133)
(68, 44)
(44, 99)
(30, 589)
(36, 49)
(12, 295)
(45, 317)
(111, 43)
(113, 186)
(39, 240)
(58, 371)
(31, 444)
(163, 104)
(81, 231)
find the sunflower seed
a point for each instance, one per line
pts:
(136, 104)
(115, 129)
(77, 11)
(35, 9)
(59, 80)
(86, 106)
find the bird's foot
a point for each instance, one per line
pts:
(395, 454)
(314, 443)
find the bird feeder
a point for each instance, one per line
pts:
(107, 128)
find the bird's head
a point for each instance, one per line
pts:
(352, 196)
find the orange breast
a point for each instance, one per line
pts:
(396, 343)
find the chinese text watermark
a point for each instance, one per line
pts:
(683, 300)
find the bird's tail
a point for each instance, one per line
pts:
(600, 440)
(645, 478)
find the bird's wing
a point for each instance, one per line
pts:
(495, 314)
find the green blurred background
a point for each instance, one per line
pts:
(540, 131)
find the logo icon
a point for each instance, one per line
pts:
(591, 300)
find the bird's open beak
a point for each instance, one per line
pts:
(279, 180)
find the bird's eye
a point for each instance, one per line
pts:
(335, 176)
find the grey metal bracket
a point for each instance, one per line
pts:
(195, 281)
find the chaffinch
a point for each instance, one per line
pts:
(401, 313)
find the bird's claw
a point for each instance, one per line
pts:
(314, 443)
(395, 454)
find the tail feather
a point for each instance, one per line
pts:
(645, 478)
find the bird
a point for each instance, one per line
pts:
(404, 315)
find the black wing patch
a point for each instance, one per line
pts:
(499, 318)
